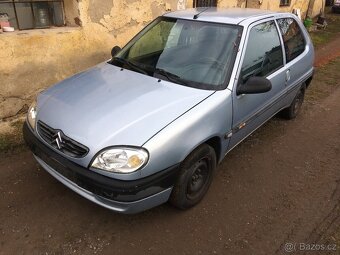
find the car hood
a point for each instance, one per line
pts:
(107, 105)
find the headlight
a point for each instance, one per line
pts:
(121, 160)
(32, 114)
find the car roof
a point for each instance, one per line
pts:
(222, 15)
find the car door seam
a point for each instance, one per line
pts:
(244, 123)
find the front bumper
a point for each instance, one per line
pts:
(117, 195)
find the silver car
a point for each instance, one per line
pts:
(151, 124)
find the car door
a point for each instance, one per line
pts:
(262, 56)
(299, 61)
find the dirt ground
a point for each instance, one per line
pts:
(276, 192)
(328, 52)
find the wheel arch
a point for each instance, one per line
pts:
(216, 144)
(308, 81)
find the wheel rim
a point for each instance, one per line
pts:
(298, 103)
(199, 179)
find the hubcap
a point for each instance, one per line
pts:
(199, 179)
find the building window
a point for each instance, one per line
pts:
(284, 2)
(31, 14)
(205, 3)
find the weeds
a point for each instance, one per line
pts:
(326, 80)
(321, 37)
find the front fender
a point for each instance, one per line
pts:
(172, 144)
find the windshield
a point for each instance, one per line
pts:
(187, 52)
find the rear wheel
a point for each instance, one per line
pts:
(293, 110)
(194, 177)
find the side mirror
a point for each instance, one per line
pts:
(115, 50)
(254, 85)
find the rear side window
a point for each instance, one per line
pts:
(293, 38)
(263, 54)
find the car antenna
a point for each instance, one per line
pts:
(198, 14)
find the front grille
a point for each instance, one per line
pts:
(58, 140)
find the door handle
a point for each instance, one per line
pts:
(288, 75)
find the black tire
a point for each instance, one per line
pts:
(293, 110)
(194, 178)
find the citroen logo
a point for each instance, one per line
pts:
(58, 140)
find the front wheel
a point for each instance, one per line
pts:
(194, 178)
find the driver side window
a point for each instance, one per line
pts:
(263, 54)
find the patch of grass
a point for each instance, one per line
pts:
(326, 80)
(13, 141)
(321, 37)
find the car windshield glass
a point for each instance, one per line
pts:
(192, 53)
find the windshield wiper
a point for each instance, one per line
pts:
(170, 76)
(130, 64)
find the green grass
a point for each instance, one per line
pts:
(324, 83)
(323, 36)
